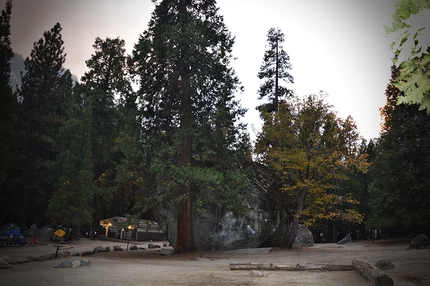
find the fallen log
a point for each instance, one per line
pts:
(371, 273)
(290, 267)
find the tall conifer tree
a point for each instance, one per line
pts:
(7, 106)
(275, 68)
(40, 117)
(186, 87)
(104, 84)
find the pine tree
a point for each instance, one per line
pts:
(399, 196)
(40, 117)
(189, 113)
(72, 201)
(104, 84)
(8, 101)
(275, 68)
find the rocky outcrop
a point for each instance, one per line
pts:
(223, 229)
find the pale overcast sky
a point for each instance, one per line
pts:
(338, 46)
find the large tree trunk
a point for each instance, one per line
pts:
(291, 236)
(185, 239)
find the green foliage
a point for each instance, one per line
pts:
(71, 204)
(312, 153)
(399, 196)
(7, 106)
(188, 110)
(275, 67)
(39, 118)
(104, 84)
(412, 51)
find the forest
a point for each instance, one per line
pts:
(160, 128)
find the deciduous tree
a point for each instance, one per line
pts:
(411, 31)
(309, 148)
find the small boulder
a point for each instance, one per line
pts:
(117, 248)
(86, 253)
(5, 259)
(133, 247)
(74, 253)
(419, 242)
(151, 246)
(99, 249)
(107, 249)
(166, 251)
(69, 264)
(22, 260)
(384, 264)
(47, 256)
(85, 262)
(4, 265)
(346, 240)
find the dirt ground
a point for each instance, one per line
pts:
(148, 267)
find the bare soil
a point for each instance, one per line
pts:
(148, 267)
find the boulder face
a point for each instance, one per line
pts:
(304, 237)
(222, 229)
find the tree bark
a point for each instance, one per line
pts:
(295, 223)
(371, 273)
(185, 239)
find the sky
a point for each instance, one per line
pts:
(338, 46)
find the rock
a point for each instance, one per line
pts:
(166, 251)
(107, 249)
(99, 249)
(32, 258)
(133, 247)
(46, 256)
(384, 264)
(4, 265)
(5, 259)
(165, 245)
(419, 242)
(117, 248)
(74, 253)
(257, 273)
(86, 253)
(151, 245)
(304, 237)
(69, 264)
(21, 260)
(346, 240)
(85, 262)
(218, 228)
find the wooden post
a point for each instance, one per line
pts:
(371, 273)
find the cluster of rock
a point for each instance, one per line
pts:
(7, 262)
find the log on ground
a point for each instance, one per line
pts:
(290, 267)
(371, 273)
